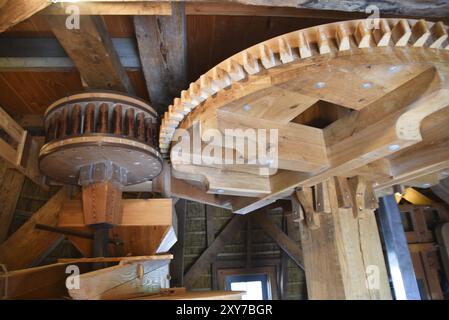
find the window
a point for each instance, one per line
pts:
(255, 285)
(258, 282)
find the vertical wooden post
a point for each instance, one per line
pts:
(343, 256)
(177, 265)
(210, 233)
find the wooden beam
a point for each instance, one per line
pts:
(14, 11)
(163, 53)
(93, 53)
(169, 186)
(136, 212)
(382, 123)
(224, 182)
(207, 295)
(123, 260)
(266, 10)
(284, 241)
(209, 255)
(44, 282)
(442, 190)
(291, 138)
(417, 8)
(9, 195)
(27, 244)
(118, 8)
(123, 281)
(177, 265)
(46, 54)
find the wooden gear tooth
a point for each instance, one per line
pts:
(220, 78)
(303, 46)
(174, 114)
(235, 70)
(250, 63)
(179, 107)
(140, 126)
(186, 101)
(342, 37)
(103, 121)
(117, 119)
(196, 94)
(286, 53)
(438, 35)
(322, 41)
(130, 121)
(170, 122)
(420, 33)
(401, 33)
(207, 86)
(267, 57)
(382, 35)
(362, 35)
(76, 120)
(89, 119)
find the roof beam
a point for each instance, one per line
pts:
(14, 11)
(93, 53)
(163, 54)
(45, 54)
(112, 8)
(416, 8)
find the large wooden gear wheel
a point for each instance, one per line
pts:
(343, 96)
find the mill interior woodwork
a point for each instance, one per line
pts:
(90, 178)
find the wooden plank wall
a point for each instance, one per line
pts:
(264, 251)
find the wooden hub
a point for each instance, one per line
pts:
(89, 128)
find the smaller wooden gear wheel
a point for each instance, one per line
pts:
(87, 129)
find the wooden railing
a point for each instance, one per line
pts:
(22, 151)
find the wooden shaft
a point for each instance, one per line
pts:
(103, 119)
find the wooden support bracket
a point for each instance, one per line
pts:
(305, 197)
(344, 196)
(321, 198)
(363, 196)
